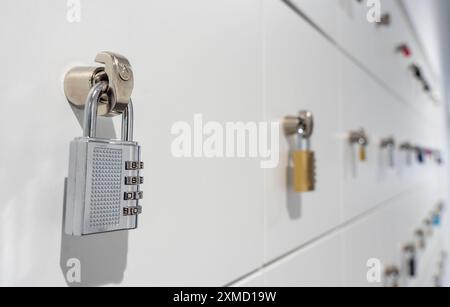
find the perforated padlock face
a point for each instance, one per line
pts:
(304, 171)
(103, 186)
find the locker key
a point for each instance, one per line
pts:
(360, 137)
(410, 259)
(389, 144)
(301, 127)
(407, 148)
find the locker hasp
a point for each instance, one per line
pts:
(116, 72)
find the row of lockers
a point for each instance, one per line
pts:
(345, 256)
(346, 188)
(386, 49)
(343, 97)
(213, 221)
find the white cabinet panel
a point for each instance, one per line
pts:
(301, 74)
(383, 234)
(388, 64)
(361, 108)
(367, 104)
(319, 264)
(322, 13)
(253, 280)
(364, 241)
(203, 218)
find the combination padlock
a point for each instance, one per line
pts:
(103, 187)
(389, 145)
(302, 159)
(360, 137)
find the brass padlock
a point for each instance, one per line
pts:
(360, 137)
(304, 170)
(302, 158)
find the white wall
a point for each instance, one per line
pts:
(214, 221)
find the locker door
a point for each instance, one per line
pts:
(366, 104)
(202, 221)
(301, 74)
(370, 238)
(322, 13)
(316, 265)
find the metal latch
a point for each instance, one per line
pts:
(116, 72)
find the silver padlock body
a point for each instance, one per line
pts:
(96, 188)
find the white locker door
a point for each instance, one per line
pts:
(202, 221)
(367, 240)
(316, 265)
(301, 74)
(322, 13)
(368, 105)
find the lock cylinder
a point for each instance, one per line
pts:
(116, 72)
(300, 128)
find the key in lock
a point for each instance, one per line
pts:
(104, 179)
(303, 159)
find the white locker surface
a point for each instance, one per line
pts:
(215, 222)
(298, 64)
(319, 264)
(197, 56)
(384, 233)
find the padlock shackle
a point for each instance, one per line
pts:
(90, 114)
(127, 122)
(90, 109)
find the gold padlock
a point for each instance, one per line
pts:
(303, 161)
(362, 154)
(304, 171)
(361, 139)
